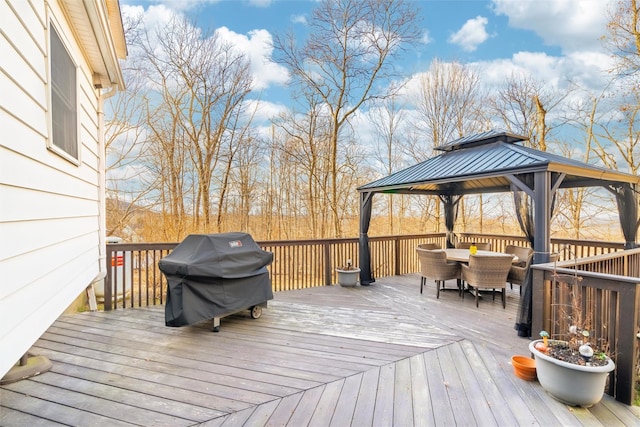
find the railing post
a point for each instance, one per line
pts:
(397, 256)
(327, 264)
(627, 357)
(538, 303)
(107, 281)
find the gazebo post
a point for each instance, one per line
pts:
(541, 242)
(542, 216)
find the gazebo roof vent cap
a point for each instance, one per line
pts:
(482, 138)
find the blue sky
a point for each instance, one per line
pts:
(548, 38)
(552, 41)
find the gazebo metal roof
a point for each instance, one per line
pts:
(482, 163)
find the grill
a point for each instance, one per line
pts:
(210, 276)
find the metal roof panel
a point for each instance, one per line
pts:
(482, 166)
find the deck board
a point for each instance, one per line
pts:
(470, 376)
(326, 404)
(365, 404)
(420, 393)
(383, 411)
(330, 356)
(460, 402)
(402, 399)
(280, 416)
(346, 403)
(488, 387)
(303, 413)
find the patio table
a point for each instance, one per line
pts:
(462, 255)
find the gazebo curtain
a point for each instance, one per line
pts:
(366, 275)
(450, 215)
(627, 211)
(524, 213)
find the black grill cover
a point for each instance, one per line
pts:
(212, 275)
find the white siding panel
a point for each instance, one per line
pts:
(29, 205)
(88, 117)
(20, 105)
(27, 314)
(46, 178)
(30, 40)
(89, 111)
(22, 237)
(32, 19)
(49, 267)
(39, 9)
(17, 136)
(89, 146)
(32, 84)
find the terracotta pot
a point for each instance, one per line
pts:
(524, 367)
(572, 384)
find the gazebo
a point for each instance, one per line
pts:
(493, 162)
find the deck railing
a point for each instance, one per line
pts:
(610, 281)
(298, 263)
(606, 289)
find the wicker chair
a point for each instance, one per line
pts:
(434, 265)
(429, 246)
(482, 246)
(487, 272)
(518, 271)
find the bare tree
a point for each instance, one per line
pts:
(448, 103)
(520, 106)
(617, 136)
(610, 121)
(305, 144)
(619, 133)
(388, 119)
(244, 179)
(350, 48)
(576, 208)
(127, 188)
(166, 160)
(125, 181)
(623, 39)
(202, 82)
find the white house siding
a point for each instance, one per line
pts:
(49, 206)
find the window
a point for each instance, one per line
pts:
(64, 104)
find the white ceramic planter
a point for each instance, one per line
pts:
(572, 384)
(348, 277)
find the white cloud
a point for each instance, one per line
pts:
(299, 19)
(472, 34)
(263, 111)
(155, 16)
(178, 5)
(257, 45)
(260, 3)
(570, 24)
(586, 69)
(426, 38)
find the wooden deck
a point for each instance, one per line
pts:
(382, 355)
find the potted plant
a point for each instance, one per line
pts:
(574, 367)
(348, 274)
(573, 374)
